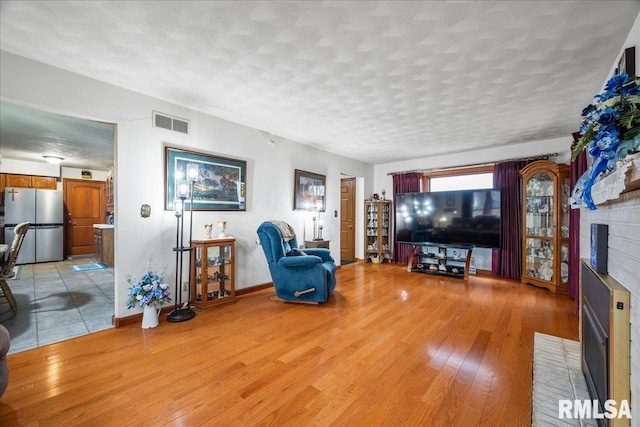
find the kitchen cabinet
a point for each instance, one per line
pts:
(30, 181)
(103, 239)
(109, 192)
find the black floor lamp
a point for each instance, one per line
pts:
(180, 313)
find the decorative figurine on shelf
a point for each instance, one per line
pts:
(383, 193)
(222, 225)
(208, 228)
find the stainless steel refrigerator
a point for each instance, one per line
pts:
(44, 210)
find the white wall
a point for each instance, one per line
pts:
(139, 169)
(74, 173)
(24, 167)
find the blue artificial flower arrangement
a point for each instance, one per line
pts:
(149, 290)
(610, 130)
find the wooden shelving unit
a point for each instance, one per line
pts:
(377, 230)
(213, 272)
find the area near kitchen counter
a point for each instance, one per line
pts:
(103, 237)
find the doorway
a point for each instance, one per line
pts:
(56, 302)
(347, 220)
(84, 205)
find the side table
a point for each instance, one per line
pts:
(317, 244)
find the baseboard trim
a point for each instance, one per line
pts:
(483, 273)
(252, 289)
(137, 318)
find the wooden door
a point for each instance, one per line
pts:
(84, 205)
(45, 182)
(348, 219)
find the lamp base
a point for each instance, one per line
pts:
(181, 315)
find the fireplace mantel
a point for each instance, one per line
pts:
(626, 178)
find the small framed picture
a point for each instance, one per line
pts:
(308, 191)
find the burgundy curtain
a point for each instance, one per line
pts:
(507, 261)
(405, 183)
(578, 166)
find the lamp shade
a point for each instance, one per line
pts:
(182, 188)
(178, 207)
(192, 171)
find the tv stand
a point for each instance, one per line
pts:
(440, 259)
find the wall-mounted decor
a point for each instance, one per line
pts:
(627, 62)
(599, 247)
(308, 191)
(220, 182)
(145, 211)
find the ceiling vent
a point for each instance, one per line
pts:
(165, 121)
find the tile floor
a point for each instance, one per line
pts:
(56, 303)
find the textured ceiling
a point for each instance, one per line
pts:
(28, 134)
(374, 81)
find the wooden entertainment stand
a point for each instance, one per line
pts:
(441, 259)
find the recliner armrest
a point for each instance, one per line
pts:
(323, 253)
(299, 261)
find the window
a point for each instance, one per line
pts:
(462, 182)
(458, 179)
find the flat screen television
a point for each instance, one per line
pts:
(464, 217)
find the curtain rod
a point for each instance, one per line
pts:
(515, 159)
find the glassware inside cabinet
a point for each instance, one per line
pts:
(566, 208)
(539, 219)
(564, 261)
(539, 259)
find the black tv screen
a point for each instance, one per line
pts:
(469, 217)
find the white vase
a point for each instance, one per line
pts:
(150, 316)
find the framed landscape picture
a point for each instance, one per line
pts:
(308, 191)
(219, 183)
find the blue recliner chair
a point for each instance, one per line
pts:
(308, 276)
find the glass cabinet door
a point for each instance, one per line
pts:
(213, 272)
(564, 230)
(540, 226)
(545, 224)
(540, 259)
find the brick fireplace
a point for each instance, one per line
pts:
(622, 215)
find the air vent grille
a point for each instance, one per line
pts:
(180, 126)
(165, 121)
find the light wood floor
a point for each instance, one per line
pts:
(389, 348)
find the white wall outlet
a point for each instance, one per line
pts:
(185, 286)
